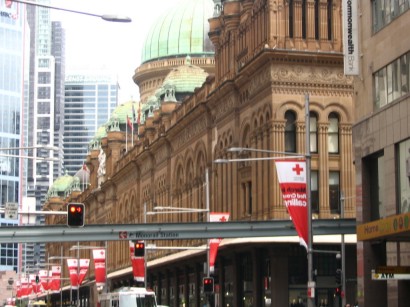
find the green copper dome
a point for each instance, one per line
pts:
(185, 78)
(181, 31)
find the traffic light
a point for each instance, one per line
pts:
(75, 215)
(37, 279)
(139, 249)
(338, 292)
(208, 284)
(338, 277)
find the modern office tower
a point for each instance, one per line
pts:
(381, 145)
(58, 51)
(40, 116)
(13, 61)
(89, 101)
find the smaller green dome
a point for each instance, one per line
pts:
(121, 114)
(63, 183)
(185, 78)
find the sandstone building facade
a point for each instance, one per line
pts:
(268, 56)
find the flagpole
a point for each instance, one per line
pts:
(311, 285)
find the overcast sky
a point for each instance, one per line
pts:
(92, 43)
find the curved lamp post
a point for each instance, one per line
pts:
(106, 17)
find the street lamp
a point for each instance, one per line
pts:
(106, 17)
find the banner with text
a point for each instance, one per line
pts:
(214, 243)
(350, 37)
(292, 181)
(99, 266)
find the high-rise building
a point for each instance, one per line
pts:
(88, 103)
(381, 145)
(46, 75)
(13, 62)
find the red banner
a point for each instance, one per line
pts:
(99, 266)
(214, 243)
(43, 276)
(84, 264)
(72, 265)
(138, 265)
(54, 283)
(25, 288)
(292, 180)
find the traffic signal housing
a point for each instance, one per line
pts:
(139, 249)
(208, 284)
(338, 277)
(75, 215)
(338, 292)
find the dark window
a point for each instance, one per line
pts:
(291, 18)
(313, 132)
(334, 191)
(290, 131)
(314, 191)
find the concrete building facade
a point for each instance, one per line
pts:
(381, 152)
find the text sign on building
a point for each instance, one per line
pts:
(11, 211)
(389, 276)
(393, 269)
(350, 37)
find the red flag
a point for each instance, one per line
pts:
(138, 265)
(84, 264)
(55, 283)
(292, 180)
(72, 265)
(43, 276)
(99, 266)
(129, 123)
(214, 243)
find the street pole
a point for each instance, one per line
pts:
(342, 252)
(208, 296)
(78, 273)
(310, 286)
(145, 254)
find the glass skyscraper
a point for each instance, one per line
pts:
(89, 101)
(13, 94)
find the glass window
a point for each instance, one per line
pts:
(333, 133)
(314, 191)
(290, 131)
(334, 191)
(374, 171)
(404, 176)
(385, 11)
(313, 132)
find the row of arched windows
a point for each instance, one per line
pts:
(333, 132)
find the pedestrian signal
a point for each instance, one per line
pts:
(208, 284)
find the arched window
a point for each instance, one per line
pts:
(313, 132)
(333, 133)
(290, 131)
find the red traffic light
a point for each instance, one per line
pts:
(139, 249)
(208, 284)
(75, 214)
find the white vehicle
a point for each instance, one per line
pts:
(129, 297)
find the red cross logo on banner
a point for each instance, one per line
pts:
(297, 169)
